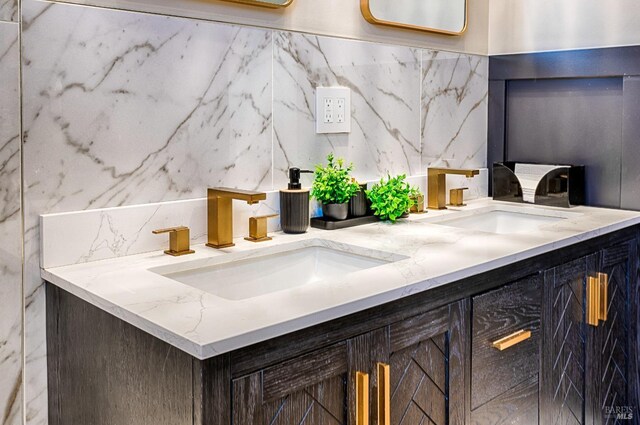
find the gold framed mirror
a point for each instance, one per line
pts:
(440, 16)
(273, 4)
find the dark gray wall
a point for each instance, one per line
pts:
(580, 107)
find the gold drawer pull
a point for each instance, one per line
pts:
(597, 298)
(384, 394)
(362, 398)
(511, 340)
(604, 296)
(593, 300)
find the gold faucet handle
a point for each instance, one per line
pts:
(456, 197)
(179, 240)
(258, 228)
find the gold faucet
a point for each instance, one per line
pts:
(437, 185)
(220, 213)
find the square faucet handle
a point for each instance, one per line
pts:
(456, 197)
(179, 240)
(258, 228)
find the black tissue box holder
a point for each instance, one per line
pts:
(562, 187)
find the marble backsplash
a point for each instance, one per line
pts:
(9, 10)
(10, 228)
(123, 108)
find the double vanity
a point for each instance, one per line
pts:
(485, 314)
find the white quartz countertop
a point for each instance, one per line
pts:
(428, 255)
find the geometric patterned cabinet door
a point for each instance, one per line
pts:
(426, 359)
(564, 343)
(615, 358)
(590, 373)
(309, 390)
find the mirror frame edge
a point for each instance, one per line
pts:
(261, 4)
(368, 16)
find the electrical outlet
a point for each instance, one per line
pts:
(340, 110)
(333, 110)
(328, 116)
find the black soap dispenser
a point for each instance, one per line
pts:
(294, 204)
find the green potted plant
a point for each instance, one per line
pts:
(418, 200)
(333, 187)
(390, 198)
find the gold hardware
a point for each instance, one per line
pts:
(384, 394)
(418, 205)
(362, 398)
(437, 185)
(511, 340)
(366, 13)
(220, 213)
(258, 228)
(268, 4)
(178, 240)
(456, 197)
(603, 279)
(593, 300)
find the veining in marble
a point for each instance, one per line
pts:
(454, 110)
(122, 231)
(122, 108)
(9, 10)
(385, 103)
(10, 229)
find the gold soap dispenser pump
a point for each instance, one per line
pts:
(294, 204)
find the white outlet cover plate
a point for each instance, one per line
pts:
(334, 93)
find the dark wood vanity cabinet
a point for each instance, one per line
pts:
(590, 371)
(423, 359)
(436, 350)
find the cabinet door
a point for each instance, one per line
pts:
(308, 390)
(612, 352)
(564, 343)
(426, 358)
(505, 376)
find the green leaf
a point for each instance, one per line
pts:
(390, 198)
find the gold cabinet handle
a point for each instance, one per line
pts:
(603, 278)
(593, 300)
(511, 340)
(597, 298)
(362, 398)
(384, 394)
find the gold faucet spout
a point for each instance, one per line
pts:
(220, 213)
(250, 196)
(437, 184)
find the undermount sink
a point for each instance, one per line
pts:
(241, 275)
(505, 219)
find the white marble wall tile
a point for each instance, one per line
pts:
(454, 110)
(122, 108)
(385, 103)
(9, 10)
(116, 232)
(10, 229)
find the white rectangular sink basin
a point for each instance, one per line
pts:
(505, 219)
(246, 275)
